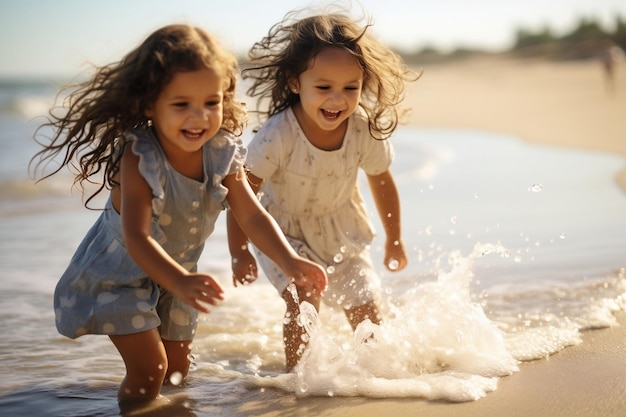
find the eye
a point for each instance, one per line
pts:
(213, 103)
(323, 87)
(180, 104)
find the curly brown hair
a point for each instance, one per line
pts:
(287, 51)
(89, 124)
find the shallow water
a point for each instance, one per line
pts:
(514, 249)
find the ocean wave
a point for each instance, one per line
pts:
(27, 99)
(25, 197)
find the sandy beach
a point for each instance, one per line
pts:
(555, 104)
(550, 103)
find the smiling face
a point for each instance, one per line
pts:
(188, 111)
(329, 91)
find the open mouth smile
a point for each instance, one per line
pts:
(331, 114)
(193, 134)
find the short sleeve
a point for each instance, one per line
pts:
(145, 145)
(378, 158)
(226, 154)
(376, 155)
(267, 147)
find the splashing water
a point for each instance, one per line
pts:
(436, 343)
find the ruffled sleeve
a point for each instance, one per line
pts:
(146, 147)
(226, 154)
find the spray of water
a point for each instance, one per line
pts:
(436, 343)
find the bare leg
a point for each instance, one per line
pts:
(367, 311)
(178, 360)
(293, 333)
(146, 365)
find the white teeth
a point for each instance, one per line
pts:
(193, 133)
(331, 114)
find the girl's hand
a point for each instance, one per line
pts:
(308, 275)
(395, 255)
(244, 268)
(198, 290)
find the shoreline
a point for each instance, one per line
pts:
(564, 104)
(580, 381)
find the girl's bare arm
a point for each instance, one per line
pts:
(135, 207)
(387, 201)
(263, 231)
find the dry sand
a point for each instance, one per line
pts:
(560, 104)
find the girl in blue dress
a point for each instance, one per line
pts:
(162, 126)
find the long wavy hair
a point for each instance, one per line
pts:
(287, 51)
(90, 122)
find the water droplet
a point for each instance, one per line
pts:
(518, 258)
(338, 258)
(453, 219)
(176, 378)
(393, 264)
(563, 235)
(476, 195)
(330, 269)
(535, 188)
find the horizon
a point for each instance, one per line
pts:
(49, 40)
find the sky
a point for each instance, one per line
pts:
(43, 38)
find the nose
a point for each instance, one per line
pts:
(336, 96)
(200, 113)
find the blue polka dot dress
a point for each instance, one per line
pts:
(103, 291)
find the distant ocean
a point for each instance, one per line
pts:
(515, 250)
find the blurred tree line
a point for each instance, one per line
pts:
(585, 41)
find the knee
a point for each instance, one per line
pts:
(178, 360)
(151, 368)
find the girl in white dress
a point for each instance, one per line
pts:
(331, 93)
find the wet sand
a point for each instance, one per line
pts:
(581, 381)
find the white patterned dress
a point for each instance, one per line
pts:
(314, 196)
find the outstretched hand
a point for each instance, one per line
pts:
(395, 256)
(309, 275)
(198, 290)
(244, 268)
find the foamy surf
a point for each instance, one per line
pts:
(437, 343)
